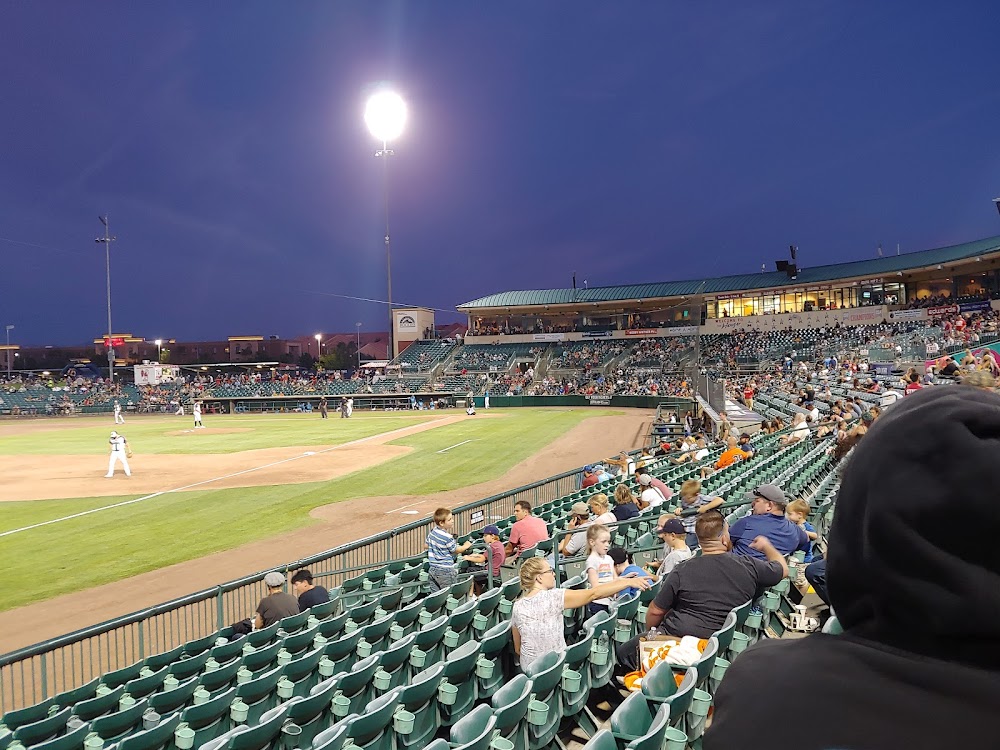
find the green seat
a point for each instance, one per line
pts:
(160, 737)
(211, 718)
(89, 710)
(260, 694)
(438, 745)
(546, 675)
(263, 735)
(724, 635)
(573, 618)
(300, 642)
(474, 730)
(493, 648)
(303, 672)
(460, 672)
(311, 713)
(72, 740)
(29, 715)
(363, 613)
(602, 628)
(45, 729)
(121, 676)
(84, 692)
(627, 609)
(342, 652)
(332, 738)
(487, 607)
(653, 737)
(323, 610)
(158, 661)
(222, 678)
(406, 617)
(577, 659)
(117, 725)
(373, 729)
(705, 663)
(460, 590)
(185, 668)
(293, 623)
(460, 623)
(603, 740)
(390, 600)
(634, 717)
(356, 685)
(510, 707)
(263, 637)
(393, 662)
(420, 699)
(377, 633)
(228, 651)
(430, 642)
(433, 605)
(262, 660)
(409, 586)
(140, 687)
(168, 701)
(333, 627)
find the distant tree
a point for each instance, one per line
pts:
(306, 361)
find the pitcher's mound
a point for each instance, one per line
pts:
(210, 431)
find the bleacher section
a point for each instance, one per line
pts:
(580, 355)
(385, 665)
(491, 357)
(421, 356)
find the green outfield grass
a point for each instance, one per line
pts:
(115, 544)
(161, 434)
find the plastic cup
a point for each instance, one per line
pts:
(239, 711)
(484, 668)
(402, 721)
(675, 739)
(538, 713)
(184, 737)
(571, 680)
(382, 679)
(447, 694)
(739, 643)
(340, 705)
(599, 654)
(286, 689)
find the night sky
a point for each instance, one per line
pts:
(630, 142)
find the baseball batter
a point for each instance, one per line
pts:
(119, 453)
(196, 410)
(119, 419)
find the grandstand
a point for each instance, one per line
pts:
(387, 664)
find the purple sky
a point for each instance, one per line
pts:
(627, 141)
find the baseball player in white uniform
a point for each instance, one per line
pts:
(119, 452)
(196, 410)
(350, 407)
(119, 419)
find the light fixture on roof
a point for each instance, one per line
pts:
(996, 202)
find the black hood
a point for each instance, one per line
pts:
(914, 557)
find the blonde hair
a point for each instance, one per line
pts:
(690, 488)
(623, 495)
(600, 500)
(530, 570)
(595, 531)
(798, 506)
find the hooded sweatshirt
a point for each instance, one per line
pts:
(914, 577)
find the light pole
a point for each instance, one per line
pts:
(9, 329)
(359, 344)
(385, 116)
(319, 350)
(107, 239)
(159, 350)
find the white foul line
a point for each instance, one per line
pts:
(210, 481)
(445, 450)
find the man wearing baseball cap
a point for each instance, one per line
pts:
(494, 555)
(277, 604)
(576, 541)
(767, 520)
(589, 477)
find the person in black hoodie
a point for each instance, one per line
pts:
(914, 578)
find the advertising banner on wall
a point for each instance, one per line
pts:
(642, 332)
(548, 337)
(974, 306)
(156, 374)
(939, 312)
(908, 315)
(598, 334)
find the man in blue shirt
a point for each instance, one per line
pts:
(767, 520)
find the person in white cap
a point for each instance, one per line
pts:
(119, 419)
(277, 604)
(196, 412)
(120, 451)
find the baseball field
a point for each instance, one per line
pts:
(247, 492)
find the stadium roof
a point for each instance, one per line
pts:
(720, 285)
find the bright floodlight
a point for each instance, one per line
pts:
(318, 336)
(385, 115)
(158, 342)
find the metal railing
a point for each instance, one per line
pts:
(31, 674)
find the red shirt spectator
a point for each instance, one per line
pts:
(527, 531)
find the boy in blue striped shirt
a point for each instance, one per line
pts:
(441, 551)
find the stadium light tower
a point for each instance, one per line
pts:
(107, 239)
(996, 202)
(385, 116)
(9, 329)
(359, 344)
(319, 346)
(159, 349)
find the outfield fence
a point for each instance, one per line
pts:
(34, 673)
